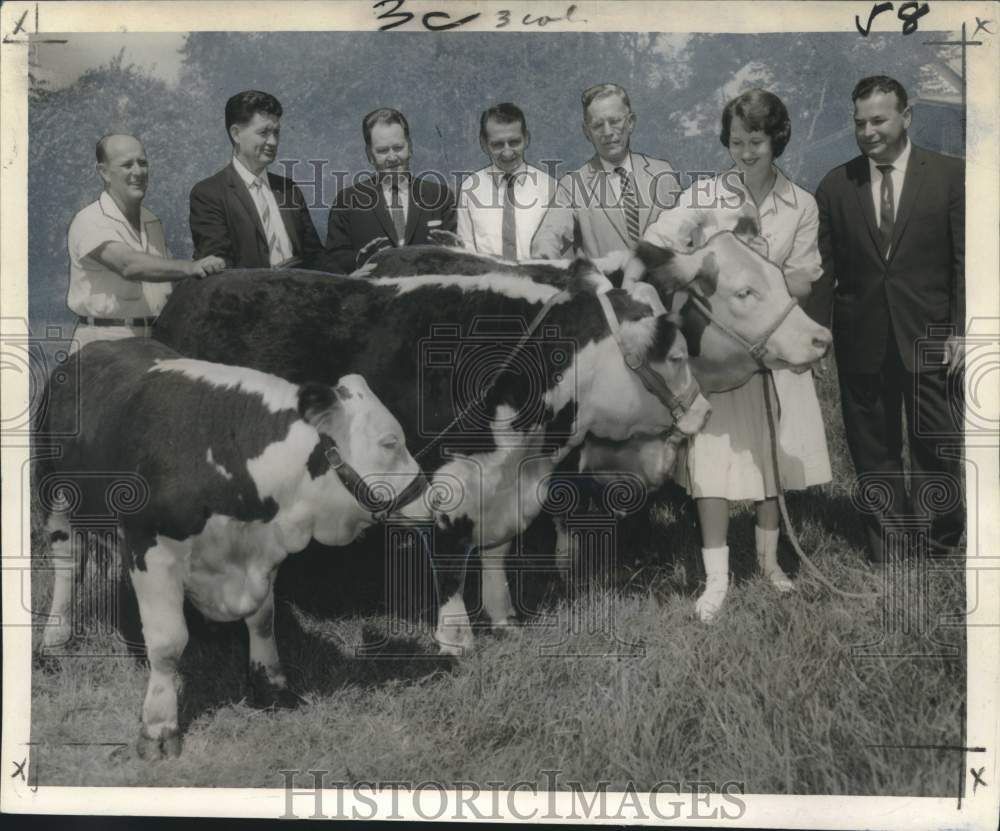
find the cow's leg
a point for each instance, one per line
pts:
(158, 581)
(450, 560)
(564, 556)
(267, 679)
(58, 628)
(496, 591)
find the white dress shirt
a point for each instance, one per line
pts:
(94, 289)
(480, 208)
(898, 176)
(260, 195)
(614, 180)
(404, 195)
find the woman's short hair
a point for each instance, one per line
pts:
(761, 110)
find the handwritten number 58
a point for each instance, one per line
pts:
(909, 13)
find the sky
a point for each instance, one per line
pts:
(61, 64)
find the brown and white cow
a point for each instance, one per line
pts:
(239, 469)
(726, 297)
(489, 410)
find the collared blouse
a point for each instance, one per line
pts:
(787, 218)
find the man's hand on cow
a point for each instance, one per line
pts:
(446, 239)
(371, 248)
(207, 265)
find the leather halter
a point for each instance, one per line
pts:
(379, 508)
(756, 349)
(678, 405)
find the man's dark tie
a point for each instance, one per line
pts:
(629, 204)
(887, 208)
(396, 212)
(508, 233)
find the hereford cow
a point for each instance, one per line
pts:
(238, 469)
(491, 407)
(734, 310)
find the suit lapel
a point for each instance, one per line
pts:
(908, 198)
(283, 200)
(245, 199)
(413, 213)
(860, 175)
(602, 185)
(643, 192)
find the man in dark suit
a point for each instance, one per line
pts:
(247, 216)
(390, 207)
(892, 239)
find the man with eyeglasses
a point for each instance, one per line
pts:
(606, 205)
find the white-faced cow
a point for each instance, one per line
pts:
(489, 410)
(239, 469)
(733, 306)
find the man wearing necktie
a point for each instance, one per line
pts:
(248, 216)
(390, 207)
(501, 206)
(892, 239)
(606, 205)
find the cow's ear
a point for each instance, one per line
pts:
(746, 228)
(707, 276)
(653, 256)
(318, 404)
(585, 278)
(663, 268)
(650, 296)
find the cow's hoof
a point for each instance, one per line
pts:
(277, 698)
(56, 638)
(166, 746)
(265, 695)
(503, 625)
(454, 640)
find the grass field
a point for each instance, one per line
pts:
(770, 696)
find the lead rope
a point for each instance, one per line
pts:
(481, 395)
(792, 536)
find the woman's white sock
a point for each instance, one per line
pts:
(716, 582)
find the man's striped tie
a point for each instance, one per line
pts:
(274, 246)
(629, 204)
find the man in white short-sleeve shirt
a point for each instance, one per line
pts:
(119, 273)
(501, 206)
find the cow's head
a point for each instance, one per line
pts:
(369, 439)
(745, 293)
(623, 403)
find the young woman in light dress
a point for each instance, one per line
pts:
(730, 460)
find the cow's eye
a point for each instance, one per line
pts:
(389, 442)
(743, 294)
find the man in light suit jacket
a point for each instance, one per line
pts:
(608, 203)
(892, 239)
(390, 207)
(244, 214)
(501, 206)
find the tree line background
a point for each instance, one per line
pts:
(326, 82)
